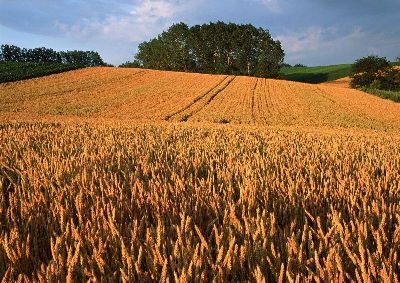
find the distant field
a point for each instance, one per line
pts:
(316, 75)
(319, 74)
(16, 71)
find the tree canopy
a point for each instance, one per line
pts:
(12, 53)
(376, 73)
(216, 48)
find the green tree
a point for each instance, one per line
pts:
(371, 64)
(218, 48)
(375, 73)
(85, 58)
(368, 69)
(176, 43)
(11, 53)
(41, 54)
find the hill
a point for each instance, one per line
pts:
(16, 71)
(316, 75)
(141, 94)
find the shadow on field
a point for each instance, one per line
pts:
(315, 78)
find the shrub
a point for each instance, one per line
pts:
(370, 64)
(376, 73)
(389, 79)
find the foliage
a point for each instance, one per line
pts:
(15, 71)
(134, 64)
(11, 53)
(371, 65)
(375, 73)
(159, 203)
(86, 58)
(216, 48)
(299, 66)
(316, 74)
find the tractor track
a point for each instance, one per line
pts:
(198, 100)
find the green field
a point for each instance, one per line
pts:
(386, 94)
(316, 75)
(16, 71)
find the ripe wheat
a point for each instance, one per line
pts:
(197, 203)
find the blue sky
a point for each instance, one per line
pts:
(313, 32)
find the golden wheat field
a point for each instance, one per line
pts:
(129, 175)
(140, 94)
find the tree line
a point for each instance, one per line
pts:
(215, 48)
(12, 53)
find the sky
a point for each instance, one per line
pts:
(312, 32)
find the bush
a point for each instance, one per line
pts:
(370, 64)
(362, 80)
(390, 79)
(299, 66)
(375, 73)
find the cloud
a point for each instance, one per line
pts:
(319, 45)
(310, 39)
(138, 22)
(314, 38)
(272, 5)
(151, 11)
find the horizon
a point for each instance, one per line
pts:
(333, 32)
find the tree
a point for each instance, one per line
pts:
(375, 72)
(216, 48)
(41, 54)
(85, 58)
(177, 47)
(11, 53)
(371, 64)
(366, 70)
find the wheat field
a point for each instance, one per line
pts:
(213, 179)
(143, 95)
